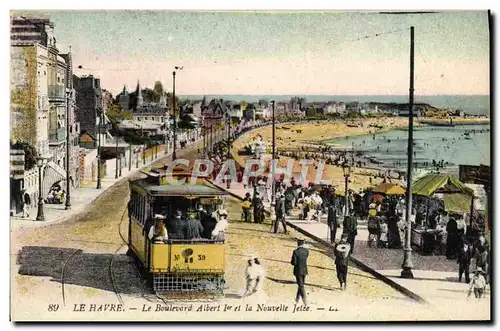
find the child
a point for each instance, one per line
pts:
(383, 234)
(478, 284)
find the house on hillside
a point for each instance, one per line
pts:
(213, 112)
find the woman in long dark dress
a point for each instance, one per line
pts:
(452, 239)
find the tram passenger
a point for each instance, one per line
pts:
(176, 227)
(192, 228)
(219, 231)
(158, 233)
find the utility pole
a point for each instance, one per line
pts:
(211, 138)
(273, 172)
(99, 151)
(352, 156)
(228, 145)
(407, 263)
(174, 155)
(204, 128)
(68, 153)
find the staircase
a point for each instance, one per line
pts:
(52, 174)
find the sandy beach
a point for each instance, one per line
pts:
(309, 134)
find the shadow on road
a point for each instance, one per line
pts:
(73, 266)
(290, 282)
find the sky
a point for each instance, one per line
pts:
(279, 53)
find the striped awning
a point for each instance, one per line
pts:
(52, 175)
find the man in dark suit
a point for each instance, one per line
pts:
(464, 260)
(299, 262)
(332, 222)
(351, 229)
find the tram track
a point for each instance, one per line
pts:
(110, 265)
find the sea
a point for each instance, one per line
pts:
(461, 144)
(471, 104)
(448, 144)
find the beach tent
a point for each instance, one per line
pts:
(389, 189)
(456, 196)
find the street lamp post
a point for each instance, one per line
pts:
(121, 165)
(137, 151)
(116, 151)
(347, 173)
(68, 152)
(129, 157)
(143, 154)
(40, 162)
(99, 185)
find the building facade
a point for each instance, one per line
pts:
(89, 103)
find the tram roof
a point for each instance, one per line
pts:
(192, 190)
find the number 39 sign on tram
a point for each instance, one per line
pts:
(198, 257)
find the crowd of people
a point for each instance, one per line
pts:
(199, 225)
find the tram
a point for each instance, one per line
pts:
(176, 265)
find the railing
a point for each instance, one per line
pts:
(58, 135)
(56, 91)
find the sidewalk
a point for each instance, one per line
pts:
(436, 278)
(82, 197)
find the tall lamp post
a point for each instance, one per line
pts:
(174, 154)
(407, 263)
(347, 173)
(40, 162)
(68, 151)
(99, 185)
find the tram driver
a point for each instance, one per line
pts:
(158, 232)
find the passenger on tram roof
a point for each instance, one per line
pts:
(158, 232)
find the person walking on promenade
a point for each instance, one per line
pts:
(280, 212)
(258, 205)
(332, 222)
(463, 260)
(351, 230)
(245, 207)
(342, 251)
(26, 203)
(299, 262)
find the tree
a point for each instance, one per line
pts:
(150, 95)
(115, 112)
(30, 153)
(158, 88)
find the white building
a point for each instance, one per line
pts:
(335, 108)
